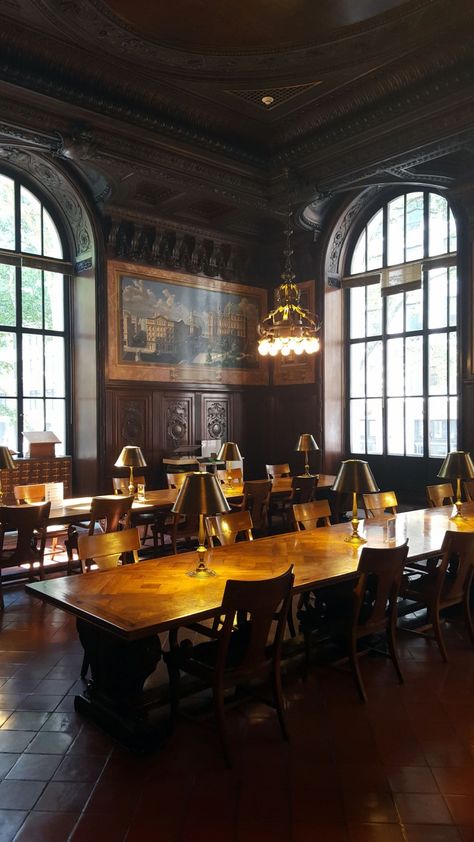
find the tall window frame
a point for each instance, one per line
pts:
(35, 273)
(402, 317)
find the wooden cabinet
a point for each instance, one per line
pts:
(30, 471)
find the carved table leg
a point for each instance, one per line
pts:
(114, 697)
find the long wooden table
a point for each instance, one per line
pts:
(121, 612)
(78, 508)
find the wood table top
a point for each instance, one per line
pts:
(138, 600)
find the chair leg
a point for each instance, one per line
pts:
(279, 701)
(354, 662)
(290, 621)
(392, 648)
(467, 615)
(218, 694)
(436, 621)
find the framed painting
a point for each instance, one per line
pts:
(297, 369)
(170, 327)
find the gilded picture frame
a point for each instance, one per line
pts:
(297, 369)
(170, 327)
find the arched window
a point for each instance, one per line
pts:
(33, 324)
(402, 329)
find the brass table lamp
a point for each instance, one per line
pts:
(200, 495)
(355, 476)
(457, 465)
(131, 457)
(6, 464)
(228, 453)
(306, 443)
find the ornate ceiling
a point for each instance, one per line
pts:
(160, 107)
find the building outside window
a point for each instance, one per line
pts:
(402, 326)
(33, 323)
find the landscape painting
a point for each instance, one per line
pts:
(169, 327)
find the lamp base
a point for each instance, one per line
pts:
(355, 538)
(458, 515)
(202, 571)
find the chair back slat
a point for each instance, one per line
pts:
(105, 550)
(281, 470)
(30, 493)
(112, 511)
(311, 515)
(303, 489)
(263, 602)
(441, 494)
(454, 572)
(380, 502)
(376, 592)
(30, 523)
(227, 527)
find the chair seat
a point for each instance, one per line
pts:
(421, 587)
(203, 656)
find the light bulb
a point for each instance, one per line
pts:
(273, 350)
(285, 351)
(299, 347)
(264, 347)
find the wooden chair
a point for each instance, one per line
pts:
(282, 470)
(227, 527)
(310, 515)
(36, 493)
(440, 495)
(105, 550)
(256, 500)
(148, 520)
(379, 503)
(238, 653)
(302, 490)
(445, 586)
(27, 525)
(370, 609)
(235, 473)
(108, 513)
(468, 486)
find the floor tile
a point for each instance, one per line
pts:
(455, 780)
(38, 701)
(375, 833)
(19, 794)
(47, 827)
(15, 740)
(25, 720)
(10, 822)
(411, 779)
(462, 808)
(431, 833)
(6, 762)
(79, 767)
(50, 742)
(64, 797)
(34, 767)
(423, 809)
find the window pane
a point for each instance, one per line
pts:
(453, 292)
(8, 371)
(9, 422)
(395, 313)
(438, 225)
(374, 426)
(7, 295)
(374, 310)
(395, 426)
(395, 367)
(358, 370)
(396, 231)
(30, 222)
(56, 422)
(414, 230)
(414, 427)
(453, 363)
(53, 301)
(7, 212)
(374, 369)
(358, 258)
(413, 309)
(414, 365)
(437, 298)
(51, 243)
(357, 412)
(437, 364)
(54, 367)
(453, 241)
(453, 423)
(357, 303)
(33, 414)
(438, 427)
(32, 298)
(33, 366)
(375, 241)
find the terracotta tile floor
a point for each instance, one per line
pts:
(400, 767)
